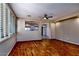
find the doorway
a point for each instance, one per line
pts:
(44, 31)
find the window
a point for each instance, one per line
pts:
(1, 20)
(7, 21)
(31, 26)
(12, 23)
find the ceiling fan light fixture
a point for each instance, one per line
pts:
(45, 18)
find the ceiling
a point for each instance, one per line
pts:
(37, 10)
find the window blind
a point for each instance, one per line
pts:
(1, 20)
(7, 21)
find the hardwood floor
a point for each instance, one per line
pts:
(45, 48)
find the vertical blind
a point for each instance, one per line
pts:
(7, 21)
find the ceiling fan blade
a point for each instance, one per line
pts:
(47, 17)
(50, 16)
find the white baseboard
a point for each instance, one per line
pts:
(69, 41)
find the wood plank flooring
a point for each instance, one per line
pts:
(45, 48)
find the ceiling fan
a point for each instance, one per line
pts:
(47, 17)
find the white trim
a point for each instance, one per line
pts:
(69, 41)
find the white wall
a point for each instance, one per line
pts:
(52, 26)
(48, 30)
(27, 35)
(30, 35)
(68, 30)
(7, 45)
